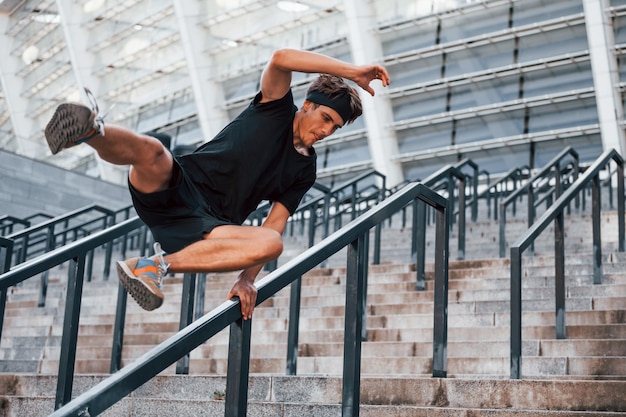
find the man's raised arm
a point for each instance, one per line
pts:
(276, 77)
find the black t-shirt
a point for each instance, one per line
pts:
(252, 159)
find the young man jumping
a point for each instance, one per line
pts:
(195, 204)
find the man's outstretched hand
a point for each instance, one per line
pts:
(246, 291)
(368, 73)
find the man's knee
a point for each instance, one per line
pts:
(272, 245)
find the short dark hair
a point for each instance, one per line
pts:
(335, 87)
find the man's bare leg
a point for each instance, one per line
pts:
(150, 163)
(228, 248)
(75, 123)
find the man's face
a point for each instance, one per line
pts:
(318, 122)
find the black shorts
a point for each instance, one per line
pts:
(177, 216)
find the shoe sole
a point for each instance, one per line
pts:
(137, 289)
(70, 123)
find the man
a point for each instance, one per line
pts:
(195, 204)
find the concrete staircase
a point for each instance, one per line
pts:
(584, 374)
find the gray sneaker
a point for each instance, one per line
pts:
(73, 123)
(142, 277)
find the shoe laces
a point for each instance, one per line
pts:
(94, 106)
(163, 266)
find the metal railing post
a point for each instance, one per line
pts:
(377, 235)
(595, 222)
(200, 293)
(420, 247)
(118, 330)
(6, 253)
(559, 275)
(620, 207)
(238, 368)
(67, 361)
(120, 311)
(355, 291)
(294, 327)
(516, 313)
(186, 316)
(502, 230)
(461, 222)
(440, 321)
(531, 212)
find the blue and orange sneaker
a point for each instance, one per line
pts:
(143, 277)
(73, 123)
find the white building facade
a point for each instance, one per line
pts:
(507, 83)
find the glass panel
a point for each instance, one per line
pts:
(533, 11)
(492, 126)
(187, 137)
(470, 25)
(621, 64)
(415, 72)
(343, 154)
(554, 42)
(565, 78)
(563, 115)
(409, 39)
(241, 87)
(410, 107)
(503, 159)
(419, 170)
(425, 137)
(619, 25)
(589, 147)
(480, 58)
(484, 93)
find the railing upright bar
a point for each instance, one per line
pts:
(109, 221)
(516, 312)
(461, 223)
(377, 236)
(355, 291)
(420, 236)
(120, 312)
(238, 368)
(200, 296)
(620, 207)
(531, 213)
(294, 327)
(6, 253)
(118, 330)
(186, 316)
(595, 222)
(365, 262)
(67, 360)
(440, 321)
(559, 275)
(89, 266)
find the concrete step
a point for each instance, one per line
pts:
(456, 349)
(321, 396)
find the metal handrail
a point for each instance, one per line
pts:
(475, 173)
(418, 245)
(555, 213)
(108, 392)
(7, 222)
(528, 188)
(495, 189)
(312, 205)
(76, 252)
(48, 226)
